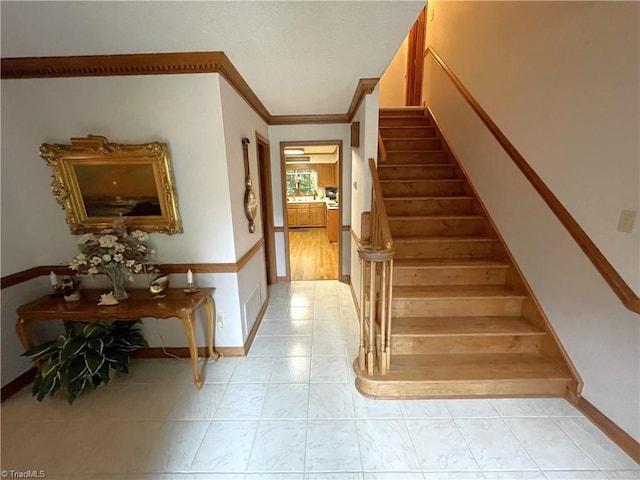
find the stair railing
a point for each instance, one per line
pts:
(376, 290)
(619, 286)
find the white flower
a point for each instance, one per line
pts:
(87, 237)
(137, 267)
(81, 259)
(118, 257)
(108, 241)
(130, 263)
(141, 248)
(106, 257)
(140, 235)
(96, 261)
(119, 247)
(92, 270)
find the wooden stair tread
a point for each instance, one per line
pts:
(429, 197)
(456, 291)
(435, 217)
(469, 367)
(412, 150)
(476, 326)
(413, 165)
(448, 262)
(441, 238)
(408, 138)
(422, 180)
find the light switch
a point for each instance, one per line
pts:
(627, 220)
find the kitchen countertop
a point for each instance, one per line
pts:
(331, 204)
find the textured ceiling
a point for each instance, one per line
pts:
(298, 57)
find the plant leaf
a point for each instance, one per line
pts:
(93, 361)
(97, 345)
(40, 350)
(76, 369)
(71, 348)
(95, 329)
(49, 367)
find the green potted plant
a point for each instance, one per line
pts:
(82, 359)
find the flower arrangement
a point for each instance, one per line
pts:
(113, 249)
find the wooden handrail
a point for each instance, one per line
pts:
(626, 295)
(382, 151)
(376, 192)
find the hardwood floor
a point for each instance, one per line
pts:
(312, 256)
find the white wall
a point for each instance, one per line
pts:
(134, 109)
(367, 115)
(240, 120)
(294, 133)
(393, 83)
(564, 89)
(184, 111)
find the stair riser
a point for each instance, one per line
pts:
(404, 345)
(404, 122)
(421, 172)
(422, 189)
(419, 158)
(411, 144)
(416, 227)
(429, 207)
(407, 132)
(444, 249)
(449, 276)
(403, 112)
(443, 307)
(463, 388)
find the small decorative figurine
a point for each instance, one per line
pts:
(159, 284)
(70, 289)
(108, 299)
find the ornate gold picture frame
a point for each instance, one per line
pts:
(96, 182)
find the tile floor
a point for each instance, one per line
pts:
(289, 411)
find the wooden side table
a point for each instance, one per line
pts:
(175, 303)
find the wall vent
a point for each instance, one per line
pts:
(251, 309)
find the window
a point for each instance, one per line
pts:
(302, 182)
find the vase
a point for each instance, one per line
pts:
(118, 277)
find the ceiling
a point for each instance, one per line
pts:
(316, 153)
(299, 57)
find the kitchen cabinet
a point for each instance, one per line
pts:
(316, 215)
(306, 214)
(332, 224)
(327, 175)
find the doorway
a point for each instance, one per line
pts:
(266, 205)
(311, 180)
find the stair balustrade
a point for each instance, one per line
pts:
(376, 292)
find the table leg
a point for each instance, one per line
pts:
(211, 314)
(23, 330)
(189, 324)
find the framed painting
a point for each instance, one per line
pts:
(96, 182)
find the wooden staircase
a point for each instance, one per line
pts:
(464, 322)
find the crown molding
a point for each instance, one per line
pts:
(365, 87)
(170, 64)
(134, 64)
(308, 119)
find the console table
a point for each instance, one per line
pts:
(175, 303)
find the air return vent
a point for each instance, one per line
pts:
(251, 309)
